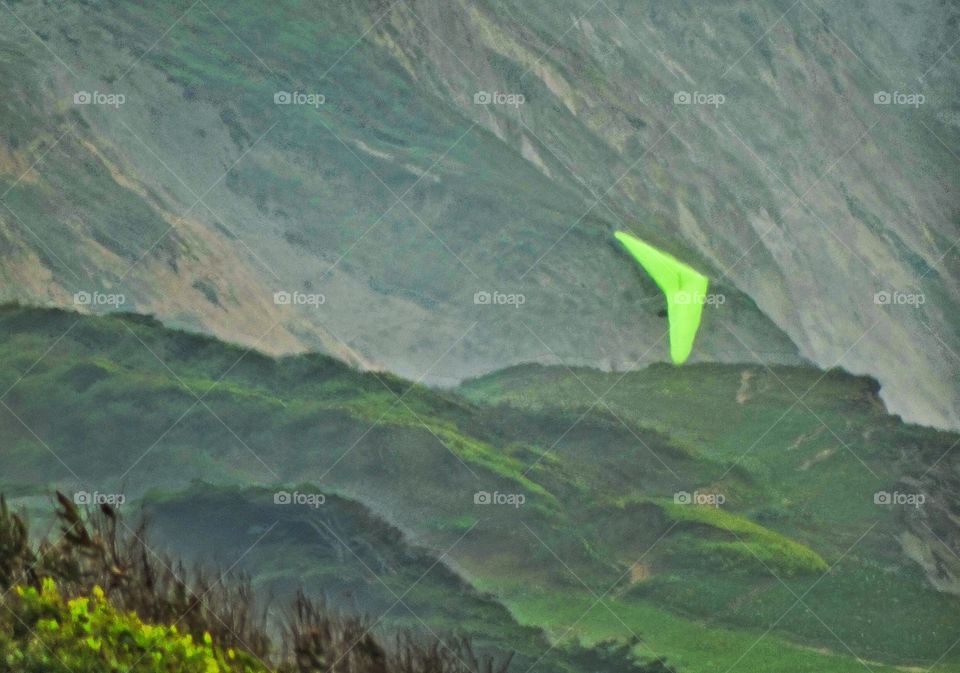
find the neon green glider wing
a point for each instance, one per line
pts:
(684, 288)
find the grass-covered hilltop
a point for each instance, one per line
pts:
(717, 517)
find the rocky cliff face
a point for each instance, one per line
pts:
(390, 167)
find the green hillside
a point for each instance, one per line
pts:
(98, 596)
(110, 404)
(356, 561)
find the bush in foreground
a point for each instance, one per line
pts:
(42, 631)
(99, 600)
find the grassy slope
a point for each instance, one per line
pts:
(813, 469)
(341, 551)
(99, 398)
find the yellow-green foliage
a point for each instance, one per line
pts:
(45, 632)
(752, 542)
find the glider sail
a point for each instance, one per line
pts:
(684, 288)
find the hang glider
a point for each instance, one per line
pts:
(684, 288)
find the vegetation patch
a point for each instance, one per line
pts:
(752, 544)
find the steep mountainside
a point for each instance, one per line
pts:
(409, 190)
(678, 498)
